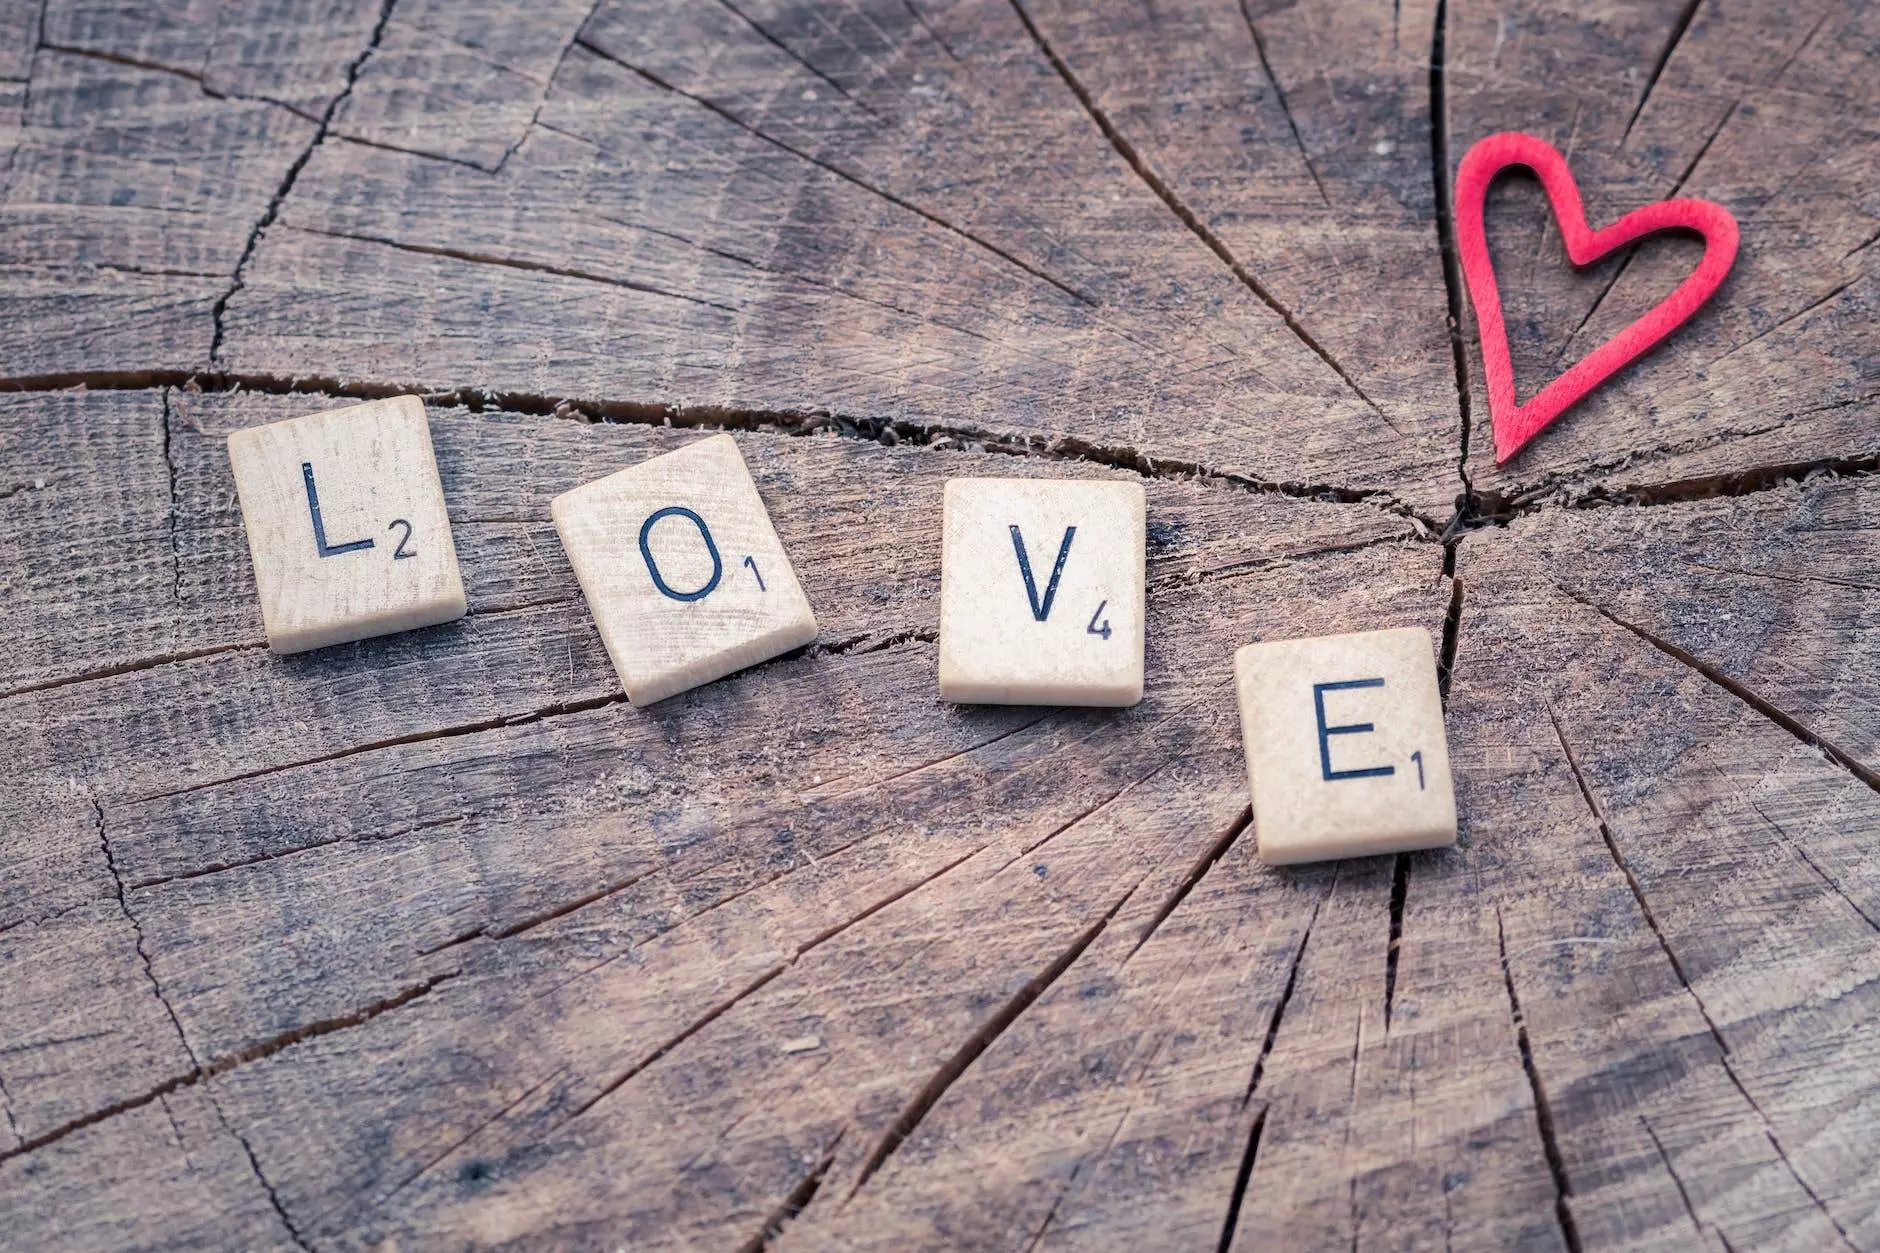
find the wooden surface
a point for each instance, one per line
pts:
(434, 941)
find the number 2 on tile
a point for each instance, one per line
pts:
(400, 553)
(1093, 628)
(1417, 757)
(752, 563)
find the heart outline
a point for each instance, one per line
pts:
(1515, 424)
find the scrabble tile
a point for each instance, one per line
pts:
(685, 575)
(1346, 754)
(346, 524)
(1041, 592)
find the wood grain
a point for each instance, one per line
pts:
(435, 941)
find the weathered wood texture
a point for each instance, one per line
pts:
(433, 941)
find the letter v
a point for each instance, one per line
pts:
(1041, 611)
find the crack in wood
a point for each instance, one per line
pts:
(1242, 1176)
(839, 172)
(1543, 1113)
(1101, 805)
(6, 1107)
(38, 920)
(1799, 580)
(556, 710)
(171, 511)
(1206, 862)
(194, 76)
(1554, 492)
(548, 87)
(1631, 879)
(941, 761)
(217, 1066)
(822, 284)
(796, 1201)
(1399, 894)
(199, 1073)
(548, 915)
(1446, 246)
(351, 838)
(1827, 880)
(383, 146)
(55, 1041)
(1677, 967)
(513, 263)
(691, 1029)
(1351, 1128)
(672, 1042)
(468, 1136)
(915, 13)
(1625, 263)
(134, 667)
(254, 1165)
(1805, 310)
(1678, 31)
(1683, 1192)
(790, 422)
(1279, 93)
(219, 310)
(1834, 753)
(1057, 1202)
(1631, 251)
(1187, 216)
(614, 1084)
(1286, 993)
(101, 1114)
(1417, 533)
(1452, 629)
(137, 931)
(1795, 1174)
(976, 1044)
(764, 33)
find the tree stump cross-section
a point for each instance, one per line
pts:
(434, 941)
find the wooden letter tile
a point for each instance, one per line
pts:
(685, 575)
(346, 524)
(1346, 754)
(1041, 592)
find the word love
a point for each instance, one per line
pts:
(1042, 597)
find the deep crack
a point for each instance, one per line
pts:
(1187, 216)
(273, 210)
(1543, 1113)
(976, 1044)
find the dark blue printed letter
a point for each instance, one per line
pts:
(319, 528)
(652, 567)
(1040, 610)
(1350, 728)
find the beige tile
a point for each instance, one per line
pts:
(346, 524)
(1345, 747)
(1041, 592)
(685, 575)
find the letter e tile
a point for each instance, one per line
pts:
(346, 524)
(1041, 592)
(683, 570)
(1346, 754)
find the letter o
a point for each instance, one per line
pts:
(652, 567)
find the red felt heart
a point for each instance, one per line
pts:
(1516, 424)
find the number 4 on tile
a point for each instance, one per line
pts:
(1094, 628)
